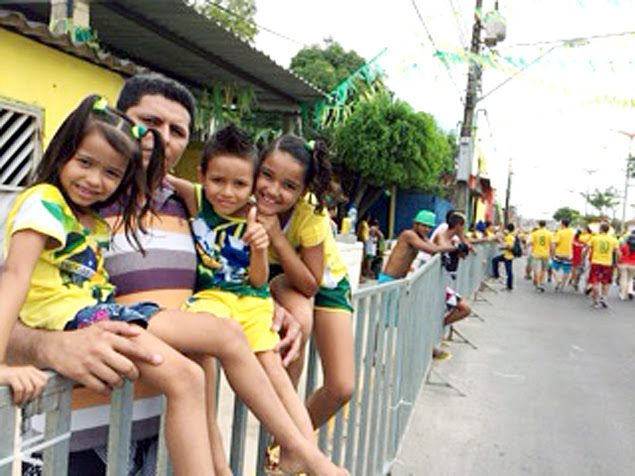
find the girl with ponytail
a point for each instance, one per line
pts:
(310, 277)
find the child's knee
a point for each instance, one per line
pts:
(233, 338)
(184, 376)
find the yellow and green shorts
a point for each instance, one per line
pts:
(254, 314)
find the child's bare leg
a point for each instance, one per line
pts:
(334, 340)
(182, 382)
(208, 363)
(301, 308)
(272, 364)
(200, 332)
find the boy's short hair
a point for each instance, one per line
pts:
(510, 227)
(457, 218)
(604, 227)
(566, 221)
(230, 140)
(146, 84)
(542, 223)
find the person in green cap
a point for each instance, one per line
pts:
(409, 243)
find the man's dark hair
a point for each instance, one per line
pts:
(604, 227)
(566, 221)
(146, 84)
(510, 227)
(542, 223)
(230, 140)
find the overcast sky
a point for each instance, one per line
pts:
(558, 120)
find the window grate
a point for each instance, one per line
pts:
(20, 137)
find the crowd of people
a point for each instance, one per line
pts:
(586, 260)
(114, 269)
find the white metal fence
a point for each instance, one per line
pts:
(396, 326)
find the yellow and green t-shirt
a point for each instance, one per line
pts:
(541, 243)
(564, 242)
(602, 248)
(509, 242)
(69, 276)
(307, 229)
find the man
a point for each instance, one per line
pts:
(506, 257)
(540, 251)
(562, 253)
(409, 243)
(101, 355)
(602, 247)
(451, 237)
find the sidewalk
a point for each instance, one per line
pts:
(549, 391)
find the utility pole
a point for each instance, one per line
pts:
(466, 144)
(628, 175)
(508, 192)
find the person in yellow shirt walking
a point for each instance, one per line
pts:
(602, 247)
(507, 243)
(540, 251)
(562, 252)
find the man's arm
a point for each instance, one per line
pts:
(98, 356)
(420, 244)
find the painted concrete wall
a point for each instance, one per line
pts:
(408, 204)
(41, 76)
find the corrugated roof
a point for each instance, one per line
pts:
(38, 31)
(170, 37)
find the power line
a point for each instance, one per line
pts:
(572, 40)
(459, 27)
(447, 68)
(253, 23)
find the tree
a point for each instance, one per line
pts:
(384, 143)
(326, 67)
(235, 15)
(567, 213)
(604, 201)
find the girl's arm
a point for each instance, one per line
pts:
(303, 270)
(24, 251)
(185, 190)
(258, 240)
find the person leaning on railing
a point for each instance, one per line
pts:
(100, 356)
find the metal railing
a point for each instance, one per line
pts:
(396, 326)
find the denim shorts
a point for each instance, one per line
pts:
(138, 314)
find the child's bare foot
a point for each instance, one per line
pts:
(309, 460)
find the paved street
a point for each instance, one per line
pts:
(549, 391)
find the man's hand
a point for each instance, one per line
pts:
(285, 323)
(98, 356)
(26, 381)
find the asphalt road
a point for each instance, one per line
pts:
(550, 390)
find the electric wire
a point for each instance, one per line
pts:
(253, 23)
(572, 40)
(447, 68)
(459, 26)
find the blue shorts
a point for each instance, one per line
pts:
(561, 264)
(385, 278)
(138, 314)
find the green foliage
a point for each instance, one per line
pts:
(604, 201)
(235, 15)
(326, 67)
(566, 213)
(384, 143)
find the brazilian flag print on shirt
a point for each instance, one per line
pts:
(71, 275)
